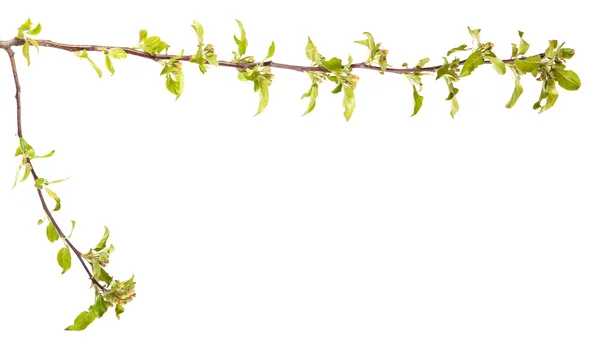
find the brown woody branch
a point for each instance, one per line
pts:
(11, 56)
(131, 51)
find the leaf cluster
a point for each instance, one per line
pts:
(259, 75)
(341, 75)
(113, 292)
(25, 31)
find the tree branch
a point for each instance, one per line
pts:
(11, 56)
(131, 51)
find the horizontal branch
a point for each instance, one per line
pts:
(131, 51)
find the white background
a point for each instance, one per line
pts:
(281, 225)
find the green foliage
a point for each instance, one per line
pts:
(51, 232)
(83, 320)
(205, 53)
(112, 53)
(24, 32)
(475, 35)
(102, 244)
(313, 91)
(84, 55)
(151, 44)
(462, 47)
(377, 55)
(174, 75)
(118, 295)
(339, 74)
(112, 293)
(548, 68)
(242, 42)
(448, 71)
(518, 88)
(417, 84)
(473, 61)
(259, 75)
(529, 65)
(64, 258)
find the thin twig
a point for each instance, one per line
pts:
(11, 56)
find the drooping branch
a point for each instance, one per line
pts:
(11, 56)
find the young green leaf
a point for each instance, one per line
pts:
(529, 65)
(523, 46)
(499, 66)
(72, 228)
(455, 106)
(24, 28)
(84, 55)
(27, 172)
(475, 35)
(349, 102)
(338, 88)
(83, 320)
(418, 99)
(566, 53)
(516, 93)
(26, 52)
(311, 52)
(551, 95)
(242, 43)
(369, 42)
(102, 244)
(174, 83)
(51, 232)
(37, 47)
(313, 92)
(334, 64)
(103, 276)
(57, 181)
(472, 62)
(39, 182)
(117, 53)
(119, 310)
(551, 50)
(25, 148)
(64, 259)
(36, 30)
(567, 79)
(17, 175)
(271, 51)
(100, 306)
(109, 65)
(143, 34)
(263, 93)
(415, 80)
(199, 32)
(47, 155)
(154, 45)
(55, 197)
(515, 51)
(446, 71)
(462, 47)
(422, 62)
